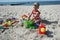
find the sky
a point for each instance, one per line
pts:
(24, 0)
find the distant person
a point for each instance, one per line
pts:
(36, 14)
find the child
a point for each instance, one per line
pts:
(36, 14)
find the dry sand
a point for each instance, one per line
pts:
(50, 14)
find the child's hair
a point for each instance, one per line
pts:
(36, 3)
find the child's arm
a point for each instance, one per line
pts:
(37, 14)
(29, 16)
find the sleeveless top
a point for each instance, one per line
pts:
(34, 14)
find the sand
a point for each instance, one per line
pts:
(50, 14)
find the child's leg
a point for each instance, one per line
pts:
(37, 24)
(21, 22)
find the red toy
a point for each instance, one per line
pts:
(9, 18)
(15, 21)
(5, 25)
(42, 29)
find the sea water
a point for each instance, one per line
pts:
(31, 3)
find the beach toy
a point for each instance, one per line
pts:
(13, 18)
(5, 25)
(42, 29)
(29, 24)
(9, 23)
(9, 19)
(1, 21)
(31, 27)
(25, 22)
(1, 27)
(15, 21)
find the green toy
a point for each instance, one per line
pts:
(29, 24)
(9, 23)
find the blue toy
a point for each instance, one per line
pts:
(1, 27)
(13, 18)
(1, 21)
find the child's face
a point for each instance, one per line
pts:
(36, 6)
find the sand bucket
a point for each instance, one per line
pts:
(28, 24)
(42, 29)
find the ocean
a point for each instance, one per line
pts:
(31, 3)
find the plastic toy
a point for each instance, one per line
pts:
(1, 27)
(9, 23)
(42, 29)
(5, 25)
(9, 19)
(13, 18)
(1, 21)
(15, 21)
(29, 24)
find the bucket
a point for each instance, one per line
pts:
(28, 24)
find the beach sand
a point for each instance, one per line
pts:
(50, 15)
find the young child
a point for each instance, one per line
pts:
(36, 14)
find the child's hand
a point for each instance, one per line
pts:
(32, 19)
